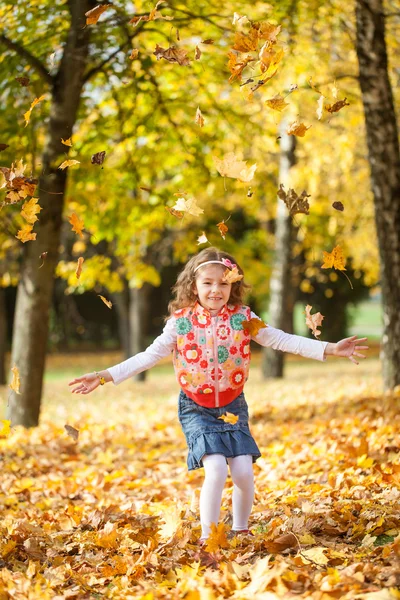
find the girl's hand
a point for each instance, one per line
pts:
(86, 384)
(348, 347)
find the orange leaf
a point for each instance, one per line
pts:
(229, 418)
(283, 542)
(217, 538)
(29, 210)
(334, 259)
(68, 163)
(277, 103)
(77, 224)
(15, 383)
(197, 53)
(199, 119)
(232, 275)
(93, 15)
(237, 64)
(134, 54)
(175, 213)
(79, 267)
(253, 326)
(331, 108)
(270, 56)
(246, 42)
(67, 142)
(222, 229)
(25, 234)
(297, 128)
(27, 115)
(106, 302)
(173, 54)
(313, 321)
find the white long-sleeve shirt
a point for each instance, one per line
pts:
(165, 343)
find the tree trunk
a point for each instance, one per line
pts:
(36, 285)
(138, 318)
(3, 336)
(384, 159)
(121, 302)
(281, 296)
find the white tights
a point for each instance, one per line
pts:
(216, 472)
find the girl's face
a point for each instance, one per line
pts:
(212, 291)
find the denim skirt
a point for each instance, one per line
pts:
(206, 433)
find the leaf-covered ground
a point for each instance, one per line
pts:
(114, 514)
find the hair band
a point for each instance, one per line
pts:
(224, 261)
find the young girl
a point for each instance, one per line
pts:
(207, 333)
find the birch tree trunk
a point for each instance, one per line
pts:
(280, 312)
(36, 285)
(384, 159)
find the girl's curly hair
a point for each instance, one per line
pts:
(183, 288)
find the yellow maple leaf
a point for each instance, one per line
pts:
(334, 259)
(232, 275)
(27, 115)
(217, 538)
(277, 103)
(77, 224)
(79, 267)
(231, 166)
(297, 128)
(93, 15)
(199, 119)
(106, 302)
(313, 321)
(67, 142)
(5, 430)
(316, 555)
(270, 55)
(188, 205)
(15, 383)
(68, 163)
(246, 42)
(30, 208)
(229, 418)
(253, 325)
(25, 234)
(237, 64)
(134, 53)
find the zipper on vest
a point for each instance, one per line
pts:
(216, 370)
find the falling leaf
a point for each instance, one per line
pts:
(199, 119)
(68, 163)
(43, 257)
(202, 239)
(197, 53)
(173, 54)
(188, 205)
(77, 224)
(237, 64)
(335, 90)
(25, 234)
(267, 31)
(134, 53)
(313, 321)
(262, 81)
(27, 115)
(334, 259)
(249, 193)
(338, 206)
(223, 229)
(79, 267)
(30, 209)
(296, 204)
(72, 432)
(19, 187)
(208, 41)
(229, 418)
(152, 16)
(175, 213)
(106, 302)
(246, 42)
(232, 275)
(332, 108)
(93, 15)
(5, 432)
(297, 128)
(23, 81)
(277, 103)
(239, 20)
(230, 166)
(67, 142)
(253, 326)
(217, 538)
(311, 84)
(4, 146)
(15, 383)
(98, 158)
(270, 55)
(320, 107)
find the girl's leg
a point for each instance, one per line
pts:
(216, 471)
(243, 490)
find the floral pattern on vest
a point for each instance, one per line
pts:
(212, 353)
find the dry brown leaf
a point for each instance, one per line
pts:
(313, 321)
(16, 382)
(98, 158)
(134, 53)
(173, 54)
(296, 204)
(23, 81)
(283, 542)
(297, 128)
(267, 31)
(277, 103)
(4, 146)
(175, 213)
(332, 108)
(108, 303)
(72, 432)
(253, 326)
(338, 205)
(93, 15)
(197, 53)
(79, 267)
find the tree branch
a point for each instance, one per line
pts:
(99, 67)
(32, 60)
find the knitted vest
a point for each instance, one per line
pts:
(212, 354)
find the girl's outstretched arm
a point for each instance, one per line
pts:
(348, 348)
(89, 382)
